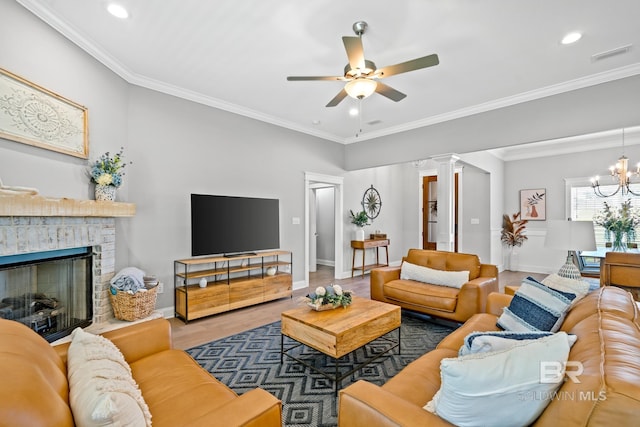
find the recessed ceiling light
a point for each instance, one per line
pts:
(118, 11)
(353, 111)
(571, 37)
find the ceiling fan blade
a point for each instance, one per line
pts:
(355, 52)
(338, 98)
(302, 78)
(414, 64)
(389, 92)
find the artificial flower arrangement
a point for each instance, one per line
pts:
(331, 296)
(107, 170)
(618, 224)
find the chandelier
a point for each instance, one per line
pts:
(621, 176)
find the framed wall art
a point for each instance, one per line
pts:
(33, 115)
(533, 204)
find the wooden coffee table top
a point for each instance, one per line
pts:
(342, 330)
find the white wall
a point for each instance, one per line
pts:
(388, 181)
(325, 225)
(494, 167)
(474, 213)
(177, 147)
(550, 173)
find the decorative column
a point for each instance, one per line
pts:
(445, 229)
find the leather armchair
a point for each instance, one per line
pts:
(448, 303)
(622, 269)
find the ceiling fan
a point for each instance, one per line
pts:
(362, 76)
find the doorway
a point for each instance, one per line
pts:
(321, 227)
(314, 183)
(430, 211)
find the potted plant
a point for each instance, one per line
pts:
(619, 225)
(360, 220)
(106, 173)
(513, 236)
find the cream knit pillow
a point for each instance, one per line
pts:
(102, 391)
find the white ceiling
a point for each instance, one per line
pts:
(236, 55)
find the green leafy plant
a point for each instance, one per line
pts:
(360, 219)
(107, 170)
(512, 230)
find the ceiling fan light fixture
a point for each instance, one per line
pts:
(360, 88)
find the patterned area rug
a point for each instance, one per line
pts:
(252, 359)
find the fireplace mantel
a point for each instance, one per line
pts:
(28, 205)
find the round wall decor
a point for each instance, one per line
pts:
(371, 202)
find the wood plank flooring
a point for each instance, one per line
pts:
(221, 325)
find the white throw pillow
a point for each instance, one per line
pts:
(578, 287)
(454, 279)
(502, 388)
(485, 342)
(102, 391)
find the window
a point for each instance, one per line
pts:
(584, 204)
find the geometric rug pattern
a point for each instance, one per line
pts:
(252, 359)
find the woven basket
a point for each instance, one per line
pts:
(131, 307)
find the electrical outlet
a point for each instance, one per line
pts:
(160, 287)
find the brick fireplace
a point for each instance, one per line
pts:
(33, 224)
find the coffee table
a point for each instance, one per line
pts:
(338, 332)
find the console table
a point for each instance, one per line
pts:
(363, 245)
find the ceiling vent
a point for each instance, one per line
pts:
(609, 53)
(374, 122)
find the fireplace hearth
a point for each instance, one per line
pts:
(32, 225)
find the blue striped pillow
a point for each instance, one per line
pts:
(536, 307)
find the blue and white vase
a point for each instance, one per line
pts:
(105, 193)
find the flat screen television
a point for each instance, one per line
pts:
(230, 225)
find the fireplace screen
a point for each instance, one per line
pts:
(50, 292)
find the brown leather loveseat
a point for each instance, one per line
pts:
(34, 390)
(607, 327)
(444, 302)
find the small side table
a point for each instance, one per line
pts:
(363, 245)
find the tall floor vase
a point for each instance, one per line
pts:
(514, 259)
(105, 193)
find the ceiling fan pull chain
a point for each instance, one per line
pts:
(359, 117)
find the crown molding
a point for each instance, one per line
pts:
(581, 83)
(568, 145)
(48, 16)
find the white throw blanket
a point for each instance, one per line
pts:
(129, 279)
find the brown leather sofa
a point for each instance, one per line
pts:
(608, 346)
(34, 390)
(444, 302)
